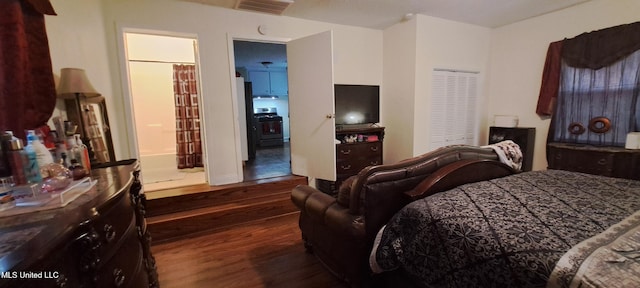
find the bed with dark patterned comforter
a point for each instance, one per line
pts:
(508, 232)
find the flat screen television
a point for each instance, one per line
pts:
(357, 104)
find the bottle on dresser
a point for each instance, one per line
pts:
(43, 155)
(31, 167)
(5, 166)
(16, 156)
(78, 152)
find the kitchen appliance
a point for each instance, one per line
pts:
(252, 133)
(269, 127)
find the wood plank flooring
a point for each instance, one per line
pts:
(263, 253)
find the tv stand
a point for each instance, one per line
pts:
(356, 126)
(359, 147)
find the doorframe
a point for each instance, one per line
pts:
(132, 136)
(234, 89)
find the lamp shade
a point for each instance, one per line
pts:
(74, 81)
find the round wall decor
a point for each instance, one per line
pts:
(599, 124)
(576, 128)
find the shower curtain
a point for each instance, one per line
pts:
(188, 141)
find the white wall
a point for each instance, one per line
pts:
(358, 58)
(412, 50)
(518, 53)
(155, 121)
(76, 39)
(398, 89)
(444, 44)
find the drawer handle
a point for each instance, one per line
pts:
(109, 232)
(346, 167)
(374, 162)
(374, 148)
(90, 241)
(602, 161)
(118, 277)
(345, 152)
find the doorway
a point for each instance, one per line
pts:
(261, 70)
(154, 63)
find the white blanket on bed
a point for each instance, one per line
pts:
(509, 153)
(609, 259)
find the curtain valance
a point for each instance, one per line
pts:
(592, 50)
(601, 48)
(42, 6)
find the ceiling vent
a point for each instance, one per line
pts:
(264, 6)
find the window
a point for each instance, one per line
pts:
(598, 107)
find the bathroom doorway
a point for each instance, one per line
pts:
(163, 79)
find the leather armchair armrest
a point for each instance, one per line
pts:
(322, 208)
(311, 201)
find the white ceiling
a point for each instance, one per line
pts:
(380, 14)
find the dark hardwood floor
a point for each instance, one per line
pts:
(264, 253)
(269, 162)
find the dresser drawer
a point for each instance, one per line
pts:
(358, 150)
(585, 161)
(112, 225)
(347, 167)
(124, 268)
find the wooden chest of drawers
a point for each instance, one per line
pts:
(96, 241)
(607, 161)
(353, 157)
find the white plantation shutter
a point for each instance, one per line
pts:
(454, 108)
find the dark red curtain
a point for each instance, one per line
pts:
(188, 140)
(550, 80)
(27, 88)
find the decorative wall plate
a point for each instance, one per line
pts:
(576, 128)
(599, 124)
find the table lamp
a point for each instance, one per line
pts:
(74, 84)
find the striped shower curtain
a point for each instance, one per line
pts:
(188, 140)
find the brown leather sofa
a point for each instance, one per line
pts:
(341, 230)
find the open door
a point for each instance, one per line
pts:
(311, 107)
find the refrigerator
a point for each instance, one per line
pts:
(248, 128)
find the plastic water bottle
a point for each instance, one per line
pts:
(31, 167)
(43, 155)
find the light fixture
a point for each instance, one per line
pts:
(266, 97)
(74, 84)
(266, 63)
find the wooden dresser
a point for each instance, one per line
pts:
(98, 240)
(354, 156)
(607, 161)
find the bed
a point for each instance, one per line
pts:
(550, 228)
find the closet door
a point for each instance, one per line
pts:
(454, 105)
